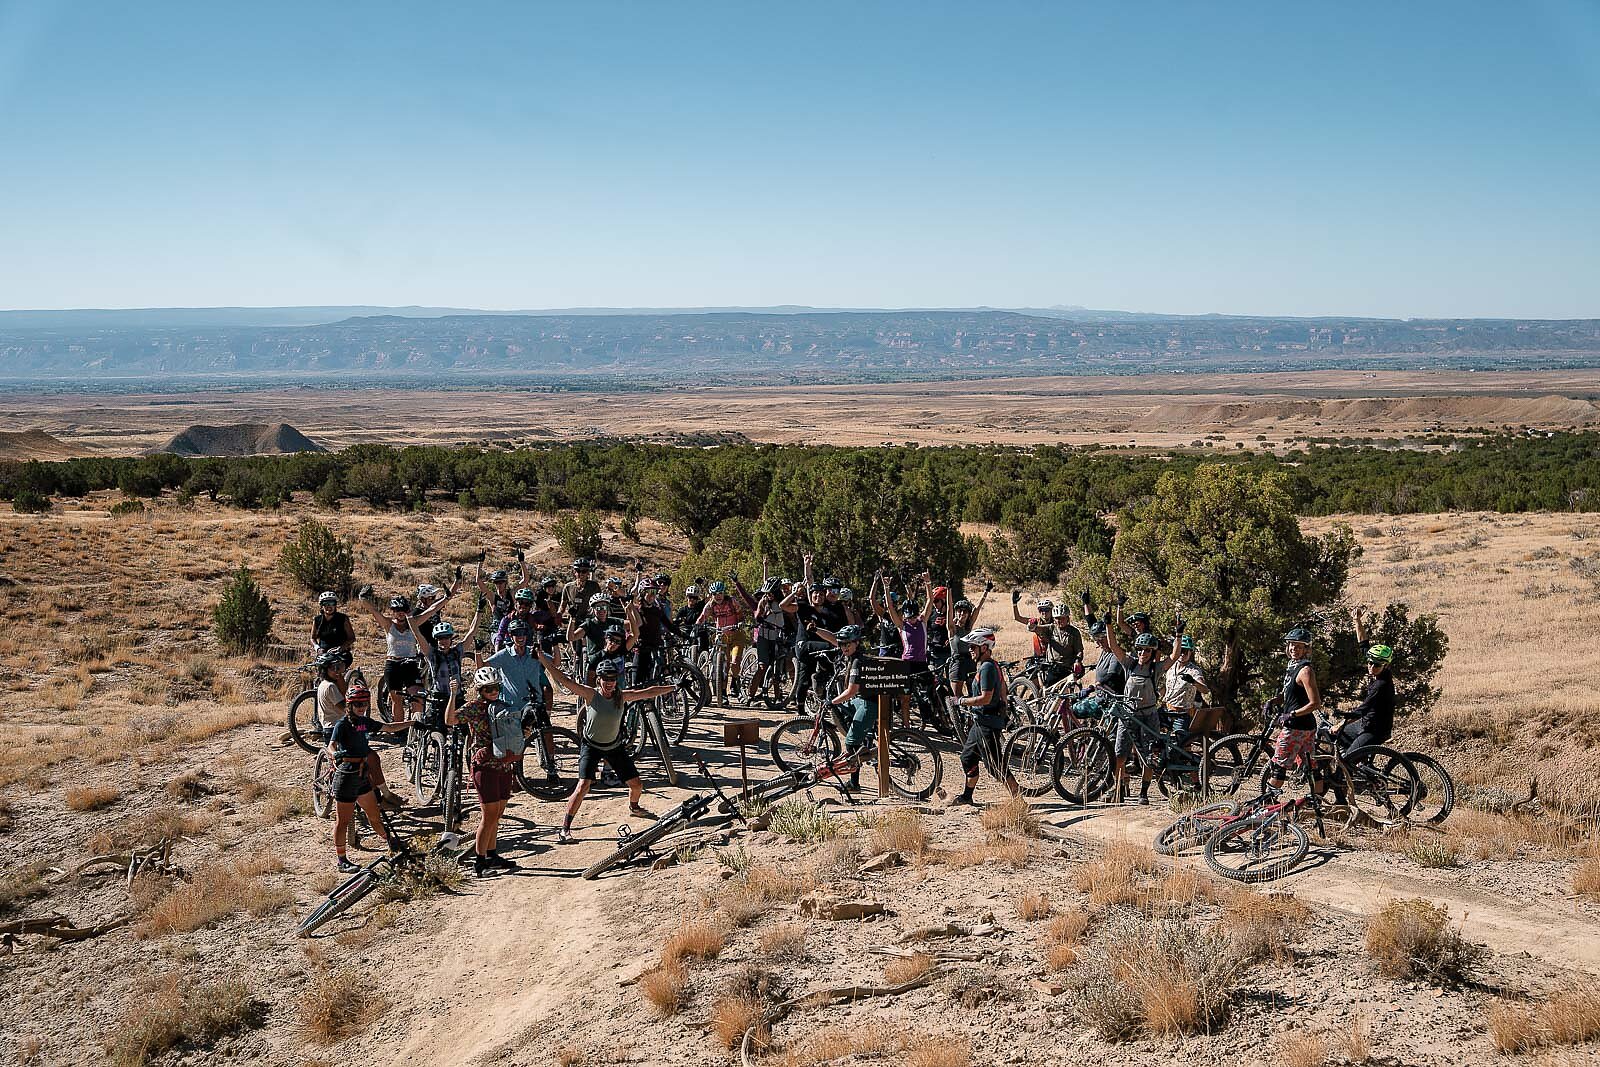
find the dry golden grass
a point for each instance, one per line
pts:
(571, 1056)
(216, 893)
(1304, 1050)
(731, 1017)
(1032, 905)
(1067, 928)
(741, 905)
(1513, 1027)
(1263, 926)
(837, 1044)
(1357, 1038)
(1586, 878)
(905, 969)
(666, 987)
(1118, 876)
(899, 831)
(1567, 1017)
(1060, 957)
(170, 1012)
(939, 1052)
(1012, 816)
(21, 884)
(785, 941)
(1415, 939)
(695, 939)
(339, 1004)
(772, 884)
(92, 797)
(1180, 886)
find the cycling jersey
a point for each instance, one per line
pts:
(446, 666)
(1375, 714)
(331, 631)
(991, 714)
(726, 612)
(913, 640)
(1139, 683)
(602, 726)
(1109, 673)
(575, 598)
(352, 736)
(330, 702)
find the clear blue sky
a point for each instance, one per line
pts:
(1400, 159)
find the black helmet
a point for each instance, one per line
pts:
(833, 584)
(1299, 635)
(329, 658)
(607, 668)
(848, 633)
(399, 603)
(518, 628)
(1139, 616)
(499, 576)
(910, 607)
(549, 579)
(615, 633)
(583, 563)
(964, 603)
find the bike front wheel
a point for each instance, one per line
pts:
(802, 742)
(1029, 754)
(322, 784)
(1257, 850)
(426, 772)
(1436, 791)
(1194, 827)
(1385, 783)
(548, 767)
(915, 767)
(305, 721)
(1028, 701)
(1081, 766)
(1229, 767)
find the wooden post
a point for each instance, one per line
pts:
(742, 733)
(884, 706)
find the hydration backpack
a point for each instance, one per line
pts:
(505, 730)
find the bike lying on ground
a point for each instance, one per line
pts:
(355, 888)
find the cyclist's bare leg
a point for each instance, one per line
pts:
(369, 804)
(488, 836)
(574, 802)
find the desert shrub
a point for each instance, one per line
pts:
(1569, 1017)
(578, 534)
(172, 1012)
(666, 987)
(124, 508)
(1263, 926)
(337, 1005)
(1586, 878)
(1432, 851)
(1160, 974)
(693, 940)
(28, 502)
(899, 831)
(216, 893)
(905, 969)
(732, 1016)
(92, 797)
(1414, 939)
(1012, 816)
(800, 820)
(319, 559)
(376, 481)
(1032, 905)
(784, 941)
(242, 619)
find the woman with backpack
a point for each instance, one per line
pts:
(495, 738)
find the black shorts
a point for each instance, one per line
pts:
(400, 673)
(617, 759)
(962, 668)
(978, 737)
(769, 650)
(350, 782)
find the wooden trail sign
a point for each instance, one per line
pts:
(742, 732)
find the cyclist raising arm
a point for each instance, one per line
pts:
(331, 628)
(495, 738)
(1142, 669)
(601, 734)
(1372, 721)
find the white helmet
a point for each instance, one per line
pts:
(485, 676)
(983, 635)
(426, 591)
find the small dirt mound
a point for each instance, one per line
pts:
(36, 444)
(241, 439)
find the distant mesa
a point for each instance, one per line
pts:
(36, 444)
(241, 439)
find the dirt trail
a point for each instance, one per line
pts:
(1550, 927)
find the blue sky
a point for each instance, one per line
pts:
(1410, 159)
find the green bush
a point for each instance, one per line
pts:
(127, 507)
(319, 559)
(329, 492)
(242, 619)
(28, 502)
(579, 535)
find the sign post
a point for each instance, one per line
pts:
(742, 732)
(884, 680)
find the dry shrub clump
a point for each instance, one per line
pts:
(216, 893)
(837, 859)
(1414, 939)
(171, 1012)
(802, 821)
(1304, 1050)
(770, 883)
(1586, 878)
(1569, 1017)
(1013, 816)
(907, 968)
(666, 987)
(92, 797)
(732, 1016)
(1159, 974)
(784, 941)
(834, 1044)
(940, 1052)
(147, 829)
(1061, 939)
(899, 831)
(1263, 925)
(1032, 905)
(694, 939)
(1118, 876)
(339, 1004)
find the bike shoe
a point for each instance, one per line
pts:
(480, 866)
(497, 860)
(636, 810)
(564, 837)
(963, 801)
(346, 867)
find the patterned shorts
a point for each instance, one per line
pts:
(1293, 748)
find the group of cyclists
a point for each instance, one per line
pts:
(605, 641)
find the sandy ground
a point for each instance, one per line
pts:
(1171, 410)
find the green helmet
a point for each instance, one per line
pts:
(1144, 641)
(1186, 643)
(1380, 654)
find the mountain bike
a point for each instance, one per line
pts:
(775, 683)
(716, 664)
(1436, 790)
(1086, 768)
(1031, 749)
(304, 719)
(644, 724)
(355, 888)
(424, 750)
(452, 769)
(413, 694)
(693, 808)
(995, 757)
(554, 754)
(1261, 847)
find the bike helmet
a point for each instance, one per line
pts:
(847, 593)
(1380, 654)
(1186, 643)
(399, 603)
(484, 677)
(663, 579)
(600, 600)
(1047, 607)
(426, 592)
(981, 636)
(613, 579)
(327, 598)
(499, 576)
(583, 563)
(718, 587)
(444, 629)
(518, 628)
(693, 592)
(358, 695)
(849, 633)
(963, 604)
(329, 658)
(607, 668)
(549, 580)
(940, 592)
(894, 598)
(523, 595)
(1139, 616)
(1144, 641)
(910, 607)
(615, 633)
(1299, 635)
(1097, 629)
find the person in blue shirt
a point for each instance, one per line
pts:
(522, 678)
